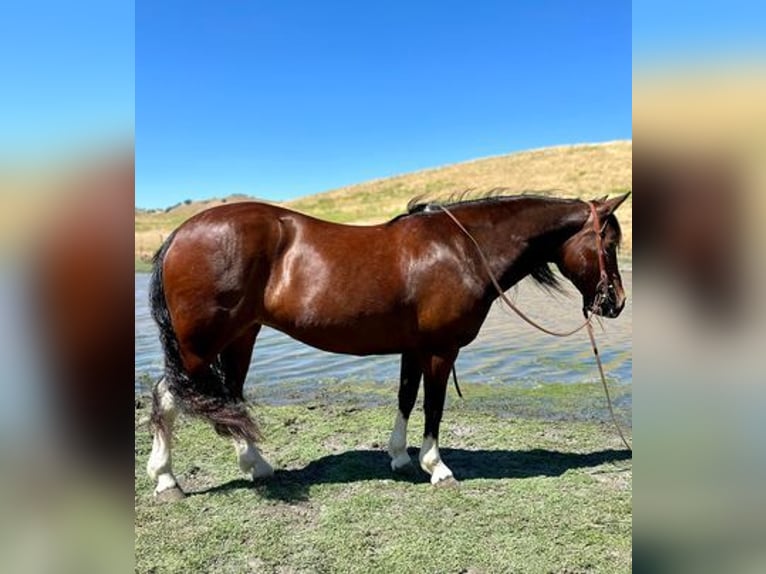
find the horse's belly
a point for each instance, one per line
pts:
(358, 338)
(359, 347)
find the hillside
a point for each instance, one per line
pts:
(587, 171)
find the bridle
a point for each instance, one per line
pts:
(602, 288)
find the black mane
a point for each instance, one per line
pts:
(421, 205)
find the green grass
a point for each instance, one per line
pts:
(534, 496)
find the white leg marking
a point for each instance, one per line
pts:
(160, 462)
(397, 444)
(251, 461)
(431, 461)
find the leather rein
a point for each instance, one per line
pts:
(601, 288)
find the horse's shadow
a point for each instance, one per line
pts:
(293, 485)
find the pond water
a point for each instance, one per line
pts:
(507, 350)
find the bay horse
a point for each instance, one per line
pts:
(414, 286)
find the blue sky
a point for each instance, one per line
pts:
(283, 99)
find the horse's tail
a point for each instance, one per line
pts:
(206, 396)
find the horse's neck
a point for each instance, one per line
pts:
(517, 238)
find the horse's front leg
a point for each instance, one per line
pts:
(436, 374)
(409, 382)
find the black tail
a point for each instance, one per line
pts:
(206, 396)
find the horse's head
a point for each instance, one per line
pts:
(589, 259)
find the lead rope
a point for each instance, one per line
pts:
(454, 378)
(518, 311)
(606, 388)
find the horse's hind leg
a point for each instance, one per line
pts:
(159, 467)
(235, 361)
(409, 382)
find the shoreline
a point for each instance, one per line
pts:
(544, 402)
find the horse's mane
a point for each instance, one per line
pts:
(542, 274)
(421, 203)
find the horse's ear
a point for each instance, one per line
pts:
(607, 206)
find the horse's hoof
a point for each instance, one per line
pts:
(447, 482)
(401, 463)
(172, 494)
(262, 472)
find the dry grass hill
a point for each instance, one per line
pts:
(586, 171)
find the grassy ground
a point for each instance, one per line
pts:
(586, 171)
(535, 495)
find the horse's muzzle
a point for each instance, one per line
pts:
(613, 305)
(612, 302)
(612, 310)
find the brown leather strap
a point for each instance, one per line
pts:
(599, 243)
